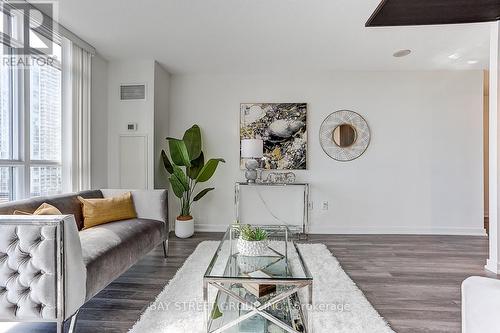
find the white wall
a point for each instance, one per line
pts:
(150, 115)
(99, 118)
(161, 120)
(421, 174)
(121, 113)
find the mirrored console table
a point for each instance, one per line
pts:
(301, 229)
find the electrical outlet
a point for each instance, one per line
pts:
(325, 205)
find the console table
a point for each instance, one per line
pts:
(304, 228)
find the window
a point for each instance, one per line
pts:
(30, 121)
(5, 112)
(45, 130)
(7, 92)
(5, 185)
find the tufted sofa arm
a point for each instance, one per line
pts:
(42, 274)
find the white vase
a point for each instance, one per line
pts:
(252, 248)
(184, 228)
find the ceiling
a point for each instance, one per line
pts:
(256, 36)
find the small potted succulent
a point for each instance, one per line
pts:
(253, 241)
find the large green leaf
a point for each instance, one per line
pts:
(178, 152)
(166, 162)
(202, 193)
(176, 186)
(179, 174)
(196, 166)
(208, 169)
(192, 140)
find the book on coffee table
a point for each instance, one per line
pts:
(259, 289)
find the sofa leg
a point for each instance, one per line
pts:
(165, 248)
(60, 326)
(72, 324)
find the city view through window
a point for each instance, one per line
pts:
(45, 130)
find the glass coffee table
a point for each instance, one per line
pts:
(264, 294)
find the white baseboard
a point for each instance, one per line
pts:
(368, 230)
(210, 227)
(203, 227)
(399, 230)
(492, 266)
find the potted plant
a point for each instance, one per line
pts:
(253, 241)
(187, 168)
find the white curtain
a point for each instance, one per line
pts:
(81, 62)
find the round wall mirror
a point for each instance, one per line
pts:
(344, 135)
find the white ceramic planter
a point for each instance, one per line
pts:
(252, 248)
(184, 228)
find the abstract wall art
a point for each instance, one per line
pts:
(282, 127)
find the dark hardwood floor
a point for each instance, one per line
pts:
(413, 281)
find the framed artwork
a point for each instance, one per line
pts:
(282, 127)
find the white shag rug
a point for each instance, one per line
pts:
(339, 306)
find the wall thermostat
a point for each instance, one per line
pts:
(132, 127)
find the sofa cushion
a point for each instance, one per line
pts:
(66, 203)
(110, 249)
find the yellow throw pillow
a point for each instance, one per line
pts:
(47, 209)
(100, 211)
(44, 209)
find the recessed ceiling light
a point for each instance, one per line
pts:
(454, 56)
(472, 62)
(401, 53)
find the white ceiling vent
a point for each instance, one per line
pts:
(132, 92)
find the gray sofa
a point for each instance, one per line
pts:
(49, 266)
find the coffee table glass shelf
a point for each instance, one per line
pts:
(263, 294)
